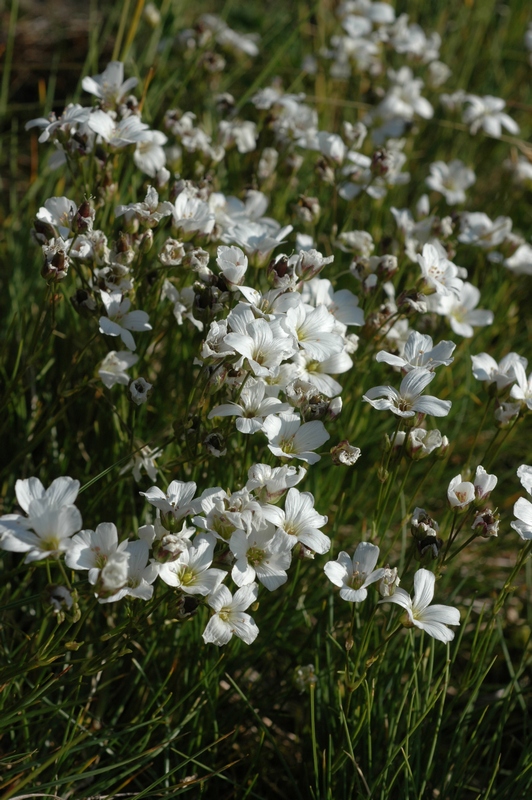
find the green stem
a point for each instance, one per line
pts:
(479, 429)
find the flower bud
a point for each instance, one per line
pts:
(308, 209)
(380, 163)
(484, 485)
(168, 548)
(59, 597)
(305, 678)
(325, 171)
(146, 241)
(421, 443)
(429, 548)
(281, 272)
(506, 413)
(214, 442)
(84, 219)
(422, 525)
(389, 582)
(187, 606)
(345, 454)
(396, 441)
(113, 575)
(83, 303)
(486, 523)
(139, 390)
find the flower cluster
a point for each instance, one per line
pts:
(274, 315)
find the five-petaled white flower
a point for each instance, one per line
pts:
(120, 321)
(408, 400)
(419, 612)
(354, 575)
(230, 617)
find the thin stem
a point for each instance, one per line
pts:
(479, 429)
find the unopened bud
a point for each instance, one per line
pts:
(84, 219)
(146, 241)
(389, 582)
(422, 525)
(486, 524)
(305, 678)
(215, 443)
(84, 303)
(429, 548)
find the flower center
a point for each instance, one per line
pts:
(256, 556)
(287, 445)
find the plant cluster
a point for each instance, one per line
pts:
(221, 405)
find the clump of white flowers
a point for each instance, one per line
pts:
(277, 318)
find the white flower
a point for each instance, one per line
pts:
(408, 400)
(343, 304)
(460, 493)
(523, 523)
(241, 133)
(113, 368)
(59, 212)
(354, 575)
(113, 576)
(92, 549)
(61, 492)
(73, 116)
(50, 513)
(118, 134)
(144, 459)
(265, 554)
(451, 180)
(521, 261)
(233, 264)
(264, 345)
(484, 484)
(149, 154)
(440, 274)
(478, 229)
(191, 571)
(300, 520)
(485, 368)
(462, 313)
(252, 408)
(288, 438)
(52, 529)
(421, 443)
(192, 215)
(230, 617)
(150, 211)
(178, 501)
(524, 473)
(140, 574)
(271, 483)
(523, 507)
(419, 351)
(110, 85)
(313, 330)
(120, 320)
(487, 113)
(225, 513)
(432, 619)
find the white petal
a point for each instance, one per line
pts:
(217, 631)
(424, 581)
